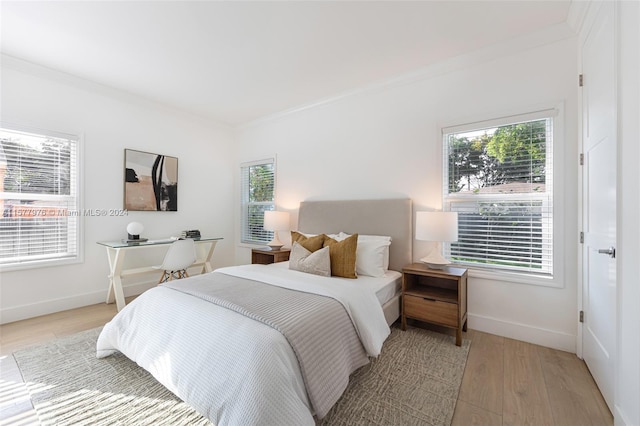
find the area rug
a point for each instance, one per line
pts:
(415, 381)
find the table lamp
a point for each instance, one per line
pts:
(134, 229)
(437, 227)
(276, 221)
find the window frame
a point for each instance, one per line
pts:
(478, 270)
(76, 209)
(245, 203)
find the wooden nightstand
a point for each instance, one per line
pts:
(437, 296)
(267, 256)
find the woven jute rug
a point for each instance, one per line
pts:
(415, 381)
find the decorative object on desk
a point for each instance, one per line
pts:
(437, 227)
(194, 233)
(151, 181)
(181, 255)
(134, 229)
(276, 221)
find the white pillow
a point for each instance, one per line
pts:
(372, 254)
(318, 262)
(334, 236)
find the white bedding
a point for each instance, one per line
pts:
(230, 368)
(385, 287)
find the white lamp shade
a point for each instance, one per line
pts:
(135, 228)
(276, 221)
(437, 226)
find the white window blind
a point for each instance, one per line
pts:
(498, 176)
(38, 197)
(257, 181)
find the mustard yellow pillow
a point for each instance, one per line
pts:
(343, 256)
(312, 244)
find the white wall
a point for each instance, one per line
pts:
(385, 143)
(627, 394)
(109, 122)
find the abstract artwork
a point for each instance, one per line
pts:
(151, 181)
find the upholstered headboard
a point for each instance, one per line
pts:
(392, 217)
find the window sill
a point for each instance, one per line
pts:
(252, 245)
(514, 277)
(39, 264)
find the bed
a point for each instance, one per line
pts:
(242, 352)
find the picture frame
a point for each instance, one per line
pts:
(150, 181)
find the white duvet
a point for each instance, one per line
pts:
(232, 369)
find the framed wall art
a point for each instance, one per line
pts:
(150, 181)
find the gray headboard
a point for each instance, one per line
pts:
(392, 217)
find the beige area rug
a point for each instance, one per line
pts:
(415, 381)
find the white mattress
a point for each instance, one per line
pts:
(385, 287)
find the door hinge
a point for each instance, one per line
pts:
(582, 159)
(581, 316)
(581, 237)
(580, 80)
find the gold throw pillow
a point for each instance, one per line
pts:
(343, 256)
(312, 244)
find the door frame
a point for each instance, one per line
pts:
(589, 16)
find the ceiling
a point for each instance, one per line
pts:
(237, 61)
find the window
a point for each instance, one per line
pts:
(257, 180)
(39, 198)
(498, 177)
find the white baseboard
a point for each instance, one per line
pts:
(51, 306)
(539, 336)
(619, 419)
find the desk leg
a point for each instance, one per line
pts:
(116, 259)
(207, 262)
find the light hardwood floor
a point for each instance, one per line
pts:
(509, 382)
(506, 382)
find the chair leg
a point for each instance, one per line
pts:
(182, 273)
(164, 278)
(173, 275)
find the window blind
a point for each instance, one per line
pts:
(498, 176)
(257, 181)
(39, 197)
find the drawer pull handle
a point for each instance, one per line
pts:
(429, 299)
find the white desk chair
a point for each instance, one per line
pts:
(181, 255)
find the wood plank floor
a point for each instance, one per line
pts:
(509, 382)
(506, 382)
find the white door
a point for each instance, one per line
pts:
(599, 208)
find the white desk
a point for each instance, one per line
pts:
(117, 250)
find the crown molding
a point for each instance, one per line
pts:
(577, 14)
(582, 14)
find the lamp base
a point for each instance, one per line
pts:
(435, 265)
(136, 240)
(275, 244)
(434, 260)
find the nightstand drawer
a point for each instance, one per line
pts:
(431, 310)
